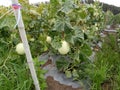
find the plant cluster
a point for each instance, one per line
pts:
(71, 26)
(116, 19)
(108, 17)
(14, 71)
(106, 67)
(64, 27)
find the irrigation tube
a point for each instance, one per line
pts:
(18, 16)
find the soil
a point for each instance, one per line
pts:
(106, 86)
(55, 85)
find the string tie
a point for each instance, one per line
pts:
(17, 7)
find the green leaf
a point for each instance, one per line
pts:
(83, 57)
(75, 73)
(59, 25)
(82, 14)
(56, 43)
(86, 49)
(77, 56)
(6, 21)
(62, 24)
(70, 38)
(68, 74)
(78, 33)
(78, 36)
(62, 64)
(91, 9)
(67, 6)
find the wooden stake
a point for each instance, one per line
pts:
(26, 46)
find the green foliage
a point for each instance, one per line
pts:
(118, 39)
(62, 64)
(86, 50)
(40, 73)
(56, 43)
(97, 74)
(68, 20)
(14, 71)
(75, 23)
(6, 19)
(108, 17)
(116, 19)
(106, 65)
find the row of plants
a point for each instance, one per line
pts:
(14, 71)
(112, 19)
(105, 75)
(71, 27)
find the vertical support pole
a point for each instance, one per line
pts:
(26, 45)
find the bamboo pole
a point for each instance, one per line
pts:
(26, 46)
